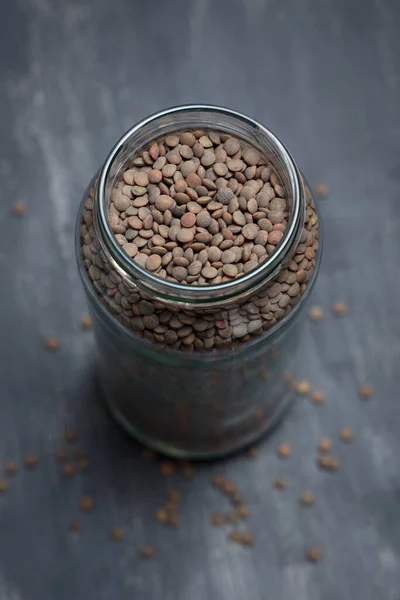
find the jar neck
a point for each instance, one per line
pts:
(199, 117)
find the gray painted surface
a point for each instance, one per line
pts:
(325, 77)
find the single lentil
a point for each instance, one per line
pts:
(52, 343)
(284, 450)
(346, 434)
(314, 554)
(339, 308)
(316, 313)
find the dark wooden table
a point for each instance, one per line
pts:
(323, 75)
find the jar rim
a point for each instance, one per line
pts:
(208, 294)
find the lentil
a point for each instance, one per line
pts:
(86, 322)
(318, 397)
(86, 503)
(75, 525)
(339, 308)
(321, 190)
(117, 533)
(346, 434)
(19, 209)
(31, 461)
(280, 484)
(314, 554)
(325, 445)
(307, 499)
(147, 551)
(329, 463)
(68, 470)
(284, 450)
(316, 313)
(4, 485)
(52, 343)
(366, 391)
(11, 467)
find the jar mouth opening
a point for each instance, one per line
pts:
(221, 119)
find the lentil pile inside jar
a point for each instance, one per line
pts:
(200, 208)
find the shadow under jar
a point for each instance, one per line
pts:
(208, 371)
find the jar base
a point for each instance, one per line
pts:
(182, 454)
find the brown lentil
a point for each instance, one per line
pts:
(366, 391)
(52, 343)
(75, 525)
(162, 515)
(86, 503)
(307, 498)
(314, 554)
(321, 190)
(117, 533)
(166, 468)
(339, 308)
(325, 445)
(217, 519)
(316, 313)
(147, 551)
(31, 461)
(242, 537)
(11, 467)
(86, 322)
(4, 485)
(68, 470)
(303, 387)
(318, 397)
(284, 450)
(329, 463)
(346, 434)
(19, 209)
(280, 484)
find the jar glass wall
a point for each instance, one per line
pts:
(197, 371)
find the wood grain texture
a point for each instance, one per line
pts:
(325, 77)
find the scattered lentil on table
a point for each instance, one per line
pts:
(147, 551)
(86, 322)
(321, 190)
(314, 554)
(346, 434)
(52, 343)
(303, 387)
(280, 483)
(19, 209)
(86, 503)
(366, 391)
(11, 467)
(325, 445)
(318, 397)
(117, 533)
(328, 463)
(284, 450)
(68, 470)
(339, 308)
(31, 461)
(307, 498)
(4, 485)
(316, 313)
(75, 525)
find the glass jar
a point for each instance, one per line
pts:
(197, 371)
